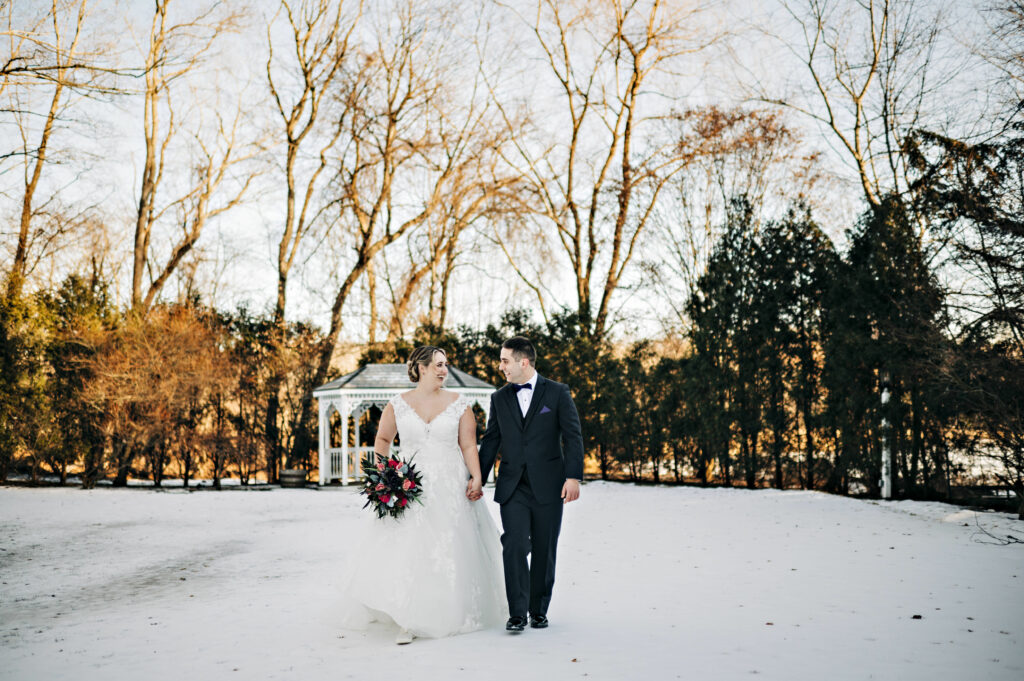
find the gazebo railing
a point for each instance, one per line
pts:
(355, 460)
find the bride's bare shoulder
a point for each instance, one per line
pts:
(451, 397)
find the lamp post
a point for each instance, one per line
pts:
(886, 482)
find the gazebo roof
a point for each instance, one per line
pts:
(378, 376)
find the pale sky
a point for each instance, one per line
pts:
(100, 152)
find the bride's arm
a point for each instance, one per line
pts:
(386, 431)
(467, 443)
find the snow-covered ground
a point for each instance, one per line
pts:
(653, 583)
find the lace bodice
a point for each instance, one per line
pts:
(442, 431)
(434, 446)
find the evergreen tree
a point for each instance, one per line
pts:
(722, 336)
(972, 194)
(641, 437)
(82, 315)
(25, 423)
(884, 313)
(798, 262)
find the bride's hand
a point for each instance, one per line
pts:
(474, 489)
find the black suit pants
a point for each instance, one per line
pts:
(529, 528)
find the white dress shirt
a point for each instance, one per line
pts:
(524, 396)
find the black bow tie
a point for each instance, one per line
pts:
(516, 387)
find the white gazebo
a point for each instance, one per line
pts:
(373, 385)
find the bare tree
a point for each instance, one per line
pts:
(874, 71)
(406, 138)
(47, 57)
(15, 35)
(431, 258)
(174, 52)
(300, 76)
(747, 154)
(598, 183)
(319, 34)
(473, 193)
(1002, 47)
(152, 380)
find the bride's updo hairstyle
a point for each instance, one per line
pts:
(421, 357)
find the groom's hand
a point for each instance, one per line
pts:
(570, 490)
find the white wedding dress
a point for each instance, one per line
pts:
(436, 570)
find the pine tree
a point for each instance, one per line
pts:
(884, 309)
(973, 196)
(82, 315)
(798, 263)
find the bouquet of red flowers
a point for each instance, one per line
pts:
(391, 484)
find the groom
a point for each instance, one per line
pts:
(533, 422)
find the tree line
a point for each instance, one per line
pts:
(561, 170)
(778, 380)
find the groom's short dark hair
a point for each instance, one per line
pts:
(521, 347)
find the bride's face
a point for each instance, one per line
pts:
(437, 371)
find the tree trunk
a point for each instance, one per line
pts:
(371, 291)
(752, 461)
(147, 196)
(915, 439)
(303, 442)
(122, 455)
(808, 448)
(17, 275)
(156, 464)
(777, 458)
(271, 434)
(805, 405)
(90, 471)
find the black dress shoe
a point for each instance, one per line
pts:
(515, 624)
(538, 621)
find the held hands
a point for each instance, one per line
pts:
(474, 489)
(570, 490)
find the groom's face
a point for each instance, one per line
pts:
(515, 370)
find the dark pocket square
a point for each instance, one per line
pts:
(545, 410)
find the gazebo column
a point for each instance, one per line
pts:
(485, 402)
(344, 413)
(324, 432)
(357, 416)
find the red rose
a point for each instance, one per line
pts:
(394, 464)
(385, 498)
(402, 503)
(412, 484)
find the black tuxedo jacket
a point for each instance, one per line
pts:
(547, 444)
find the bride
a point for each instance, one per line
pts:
(436, 570)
